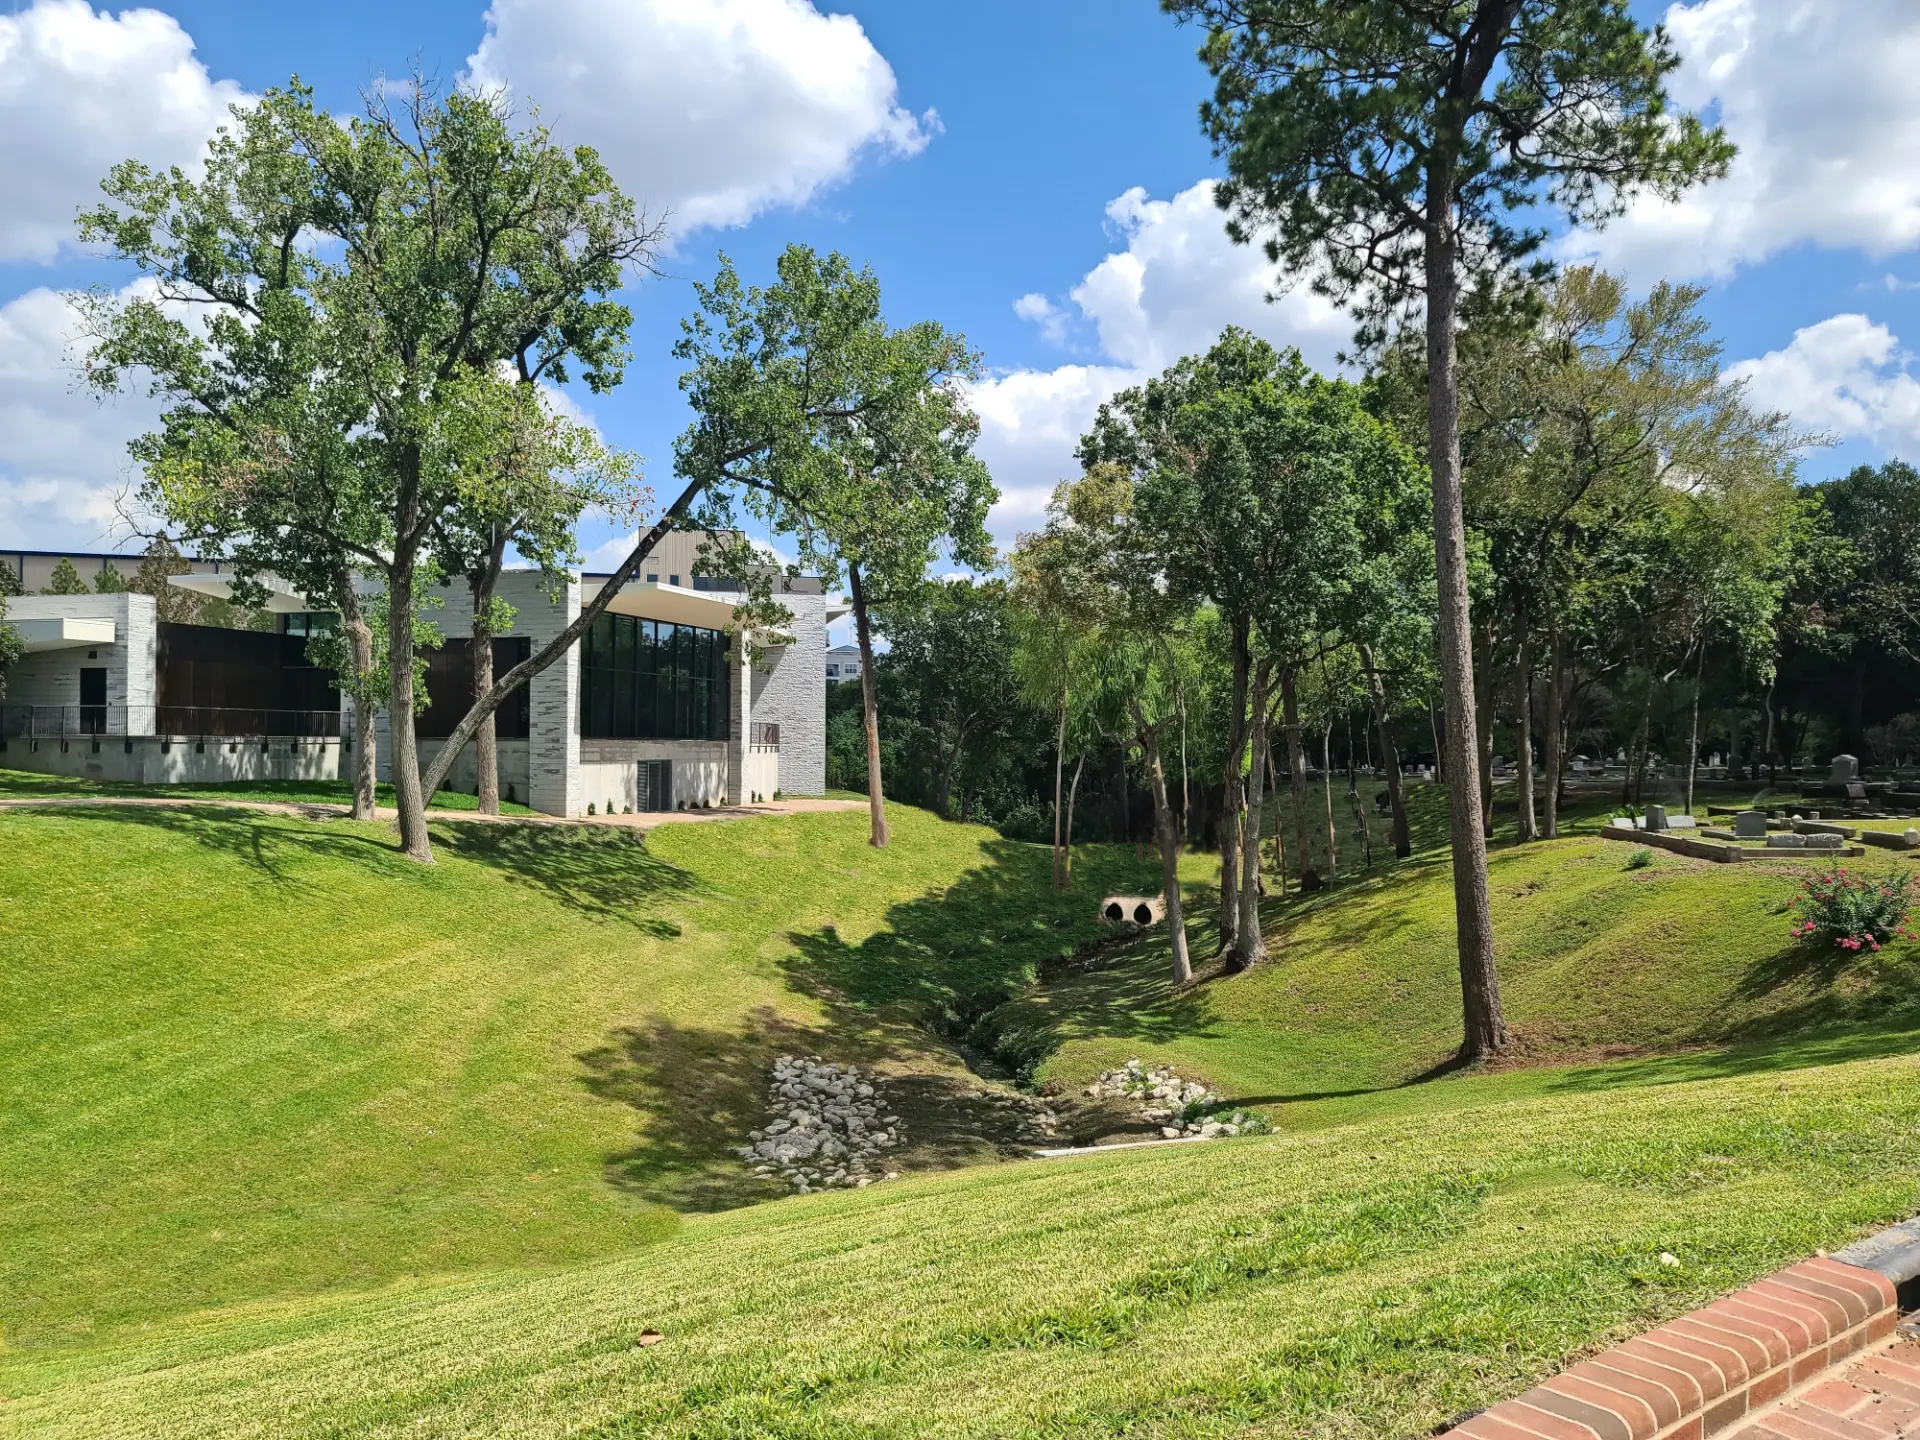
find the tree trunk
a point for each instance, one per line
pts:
(1693, 732)
(1296, 776)
(1169, 840)
(1635, 783)
(870, 709)
(359, 637)
(1556, 739)
(486, 748)
(1326, 784)
(1232, 794)
(1483, 731)
(1066, 853)
(1279, 845)
(402, 745)
(1485, 1029)
(1439, 746)
(1252, 946)
(1773, 773)
(1389, 756)
(1528, 824)
(1059, 764)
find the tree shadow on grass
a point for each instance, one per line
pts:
(259, 841)
(699, 1091)
(605, 874)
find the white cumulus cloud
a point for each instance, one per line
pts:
(714, 110)
(1822, 101)
(1845, 375)
(63, 453)
(81, 91)
(1176, 284)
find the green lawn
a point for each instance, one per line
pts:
(30, 785)
(1598, 963)
(245, 1056)
(1373, 1280)
(297, 1137)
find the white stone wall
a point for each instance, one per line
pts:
(790, 690)
(156, 760)
(52, 677)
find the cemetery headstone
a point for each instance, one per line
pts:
(1787, 841)
(1845, 770)
(1656, 817)
(1750, 825)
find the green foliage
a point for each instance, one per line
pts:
(12, 647)
(1639, 859)
(110, 581)
(1356, 137)
(1853, 910)
(9, 581)
(171, 604)
(65, 580)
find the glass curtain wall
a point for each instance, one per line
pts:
(648, 680)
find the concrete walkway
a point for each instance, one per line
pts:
(326, 810)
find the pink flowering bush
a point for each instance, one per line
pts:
(1855, 912)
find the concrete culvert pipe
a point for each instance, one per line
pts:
(1141, 910)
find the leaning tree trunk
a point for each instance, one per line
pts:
(1527, 825)
(1066, 853)
(1252, 946)
(870, 709)
(1556, 740)
(1484, 1027)
(1296, 776)
(1483, 732)
(1169, 839)
(1389, 756)
(359, 637)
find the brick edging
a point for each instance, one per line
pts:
(1694, 1376)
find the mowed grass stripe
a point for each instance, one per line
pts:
(1373, 1278)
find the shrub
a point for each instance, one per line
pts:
(1639, 859)
(1855, 912)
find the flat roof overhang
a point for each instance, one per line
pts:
(282, 598)
(63, 633)
(677, 605)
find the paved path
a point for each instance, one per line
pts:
(326, 810)
(1876, 1395)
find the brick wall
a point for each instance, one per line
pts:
(52, 677)
(1709, 1370)
(790, 690)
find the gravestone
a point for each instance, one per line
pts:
(1787, 841)
(1856, 790)
(1825, 842)
(1750, 825)
(1845, 770)
(1656, 818)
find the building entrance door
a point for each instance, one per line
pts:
(93, 702)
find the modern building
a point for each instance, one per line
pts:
(655, 708)
(843, 663)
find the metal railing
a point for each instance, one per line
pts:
(69, 722)
(765, 736)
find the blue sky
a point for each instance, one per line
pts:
(1032, 175)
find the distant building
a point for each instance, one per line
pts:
(654, 709)
(843, 663)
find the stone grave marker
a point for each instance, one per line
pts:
(1750, 825)
(1656, 818)
(1844, 771)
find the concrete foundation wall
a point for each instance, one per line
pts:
(610, 771)
(153, 760)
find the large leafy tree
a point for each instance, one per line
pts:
(827, 424)
(1393, 150)
(358, 271)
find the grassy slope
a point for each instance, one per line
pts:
(1369, 1281)
(1597, 961)
(245, 1056)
